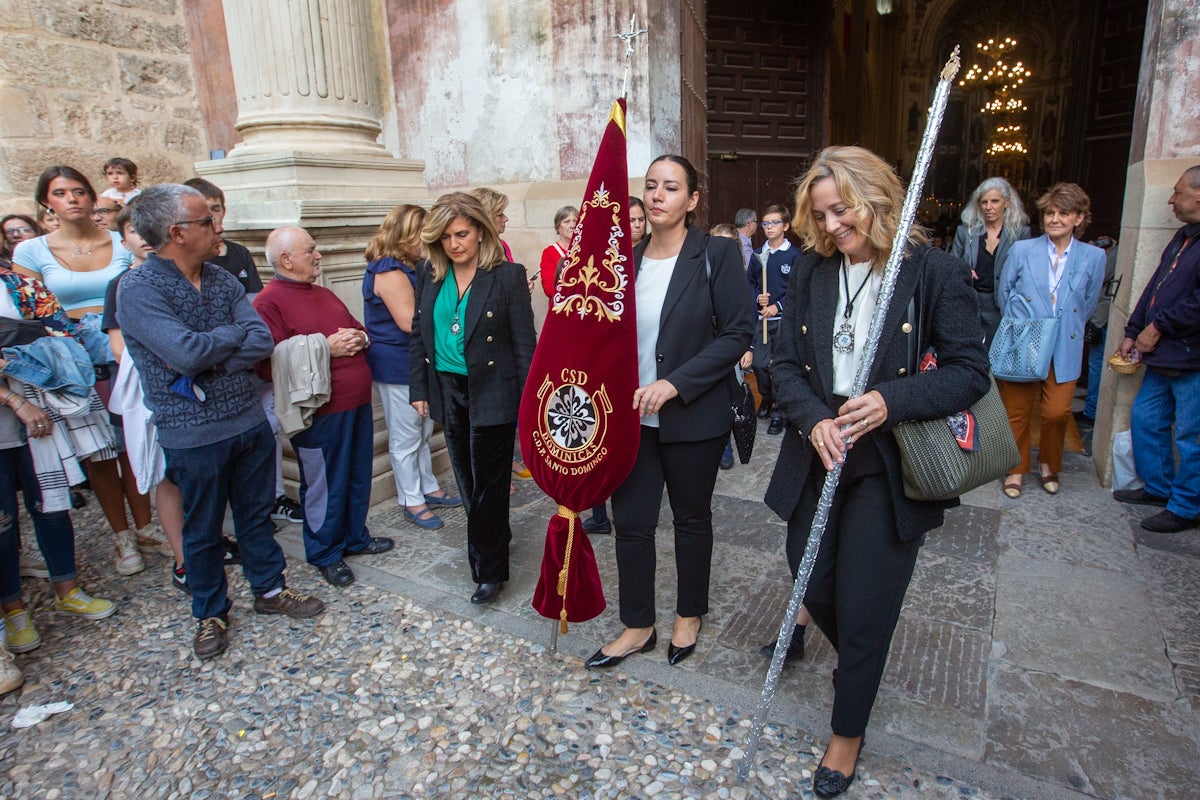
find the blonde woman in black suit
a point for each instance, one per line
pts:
(847, 212)
(471, 347)
(694, 322)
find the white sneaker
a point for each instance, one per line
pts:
(151, 539)
(129, 560)
(11, 676)
(33, 566)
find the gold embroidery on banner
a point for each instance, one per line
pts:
(590, 289)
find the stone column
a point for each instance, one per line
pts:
(1166, 141)
(308, 80)
(304, 77)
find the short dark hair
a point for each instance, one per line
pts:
(125, 217)
(207, 188)
(125, 164)
(744, 217)
(775, 208)
(42, 193)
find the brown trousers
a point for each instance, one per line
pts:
(1056, 410)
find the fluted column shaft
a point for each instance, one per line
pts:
(302, 70)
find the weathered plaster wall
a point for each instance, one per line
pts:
(84, 80)
(513, 91)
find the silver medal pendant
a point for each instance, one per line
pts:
(454, 326)
(843, 340)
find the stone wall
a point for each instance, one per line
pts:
(82, 81)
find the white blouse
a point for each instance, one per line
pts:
(651, 287)
(845, 365)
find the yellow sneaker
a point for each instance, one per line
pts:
(79, 604)
(19, 634)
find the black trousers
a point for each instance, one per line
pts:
(482, 460)
(859, 579)
(764, 354)
(689, 471)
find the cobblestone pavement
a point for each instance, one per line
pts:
(379, 697)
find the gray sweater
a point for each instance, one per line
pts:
(213, 336)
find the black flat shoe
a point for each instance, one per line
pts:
(776, 426)
(377, 545)
(677, 654)
(487, 592)
(830, 783)
(338, 573)
(795, 650)
(601, 661)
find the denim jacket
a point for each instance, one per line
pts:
(52, 363)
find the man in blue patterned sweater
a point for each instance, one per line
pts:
(195, 337)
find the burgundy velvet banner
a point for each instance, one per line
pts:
(578, 429)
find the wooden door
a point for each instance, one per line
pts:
(766, 88)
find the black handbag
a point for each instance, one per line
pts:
(16, 332)
(745, 423)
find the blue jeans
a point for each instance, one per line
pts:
(56, 537)
(1164, 400)
(335, 455)
(1095, 362)
(238, 472)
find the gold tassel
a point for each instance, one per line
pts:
(562, 621)
(571, 516)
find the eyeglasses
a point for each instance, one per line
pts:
(104, 211)
(771, 223)
(206, 222)
(21, 231)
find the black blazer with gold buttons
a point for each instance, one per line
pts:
(803, 369)
(499, 344)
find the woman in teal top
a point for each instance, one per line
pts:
(471, 347)
(76, 263)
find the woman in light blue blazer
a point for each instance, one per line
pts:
(1054, 273)
(992, 221)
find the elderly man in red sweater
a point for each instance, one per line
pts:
(335, 452)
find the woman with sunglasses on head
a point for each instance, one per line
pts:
(847, 214)
(76, 263)
(693, 324)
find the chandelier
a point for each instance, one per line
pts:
(999, 76)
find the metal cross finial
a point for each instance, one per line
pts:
(628, 39)
(631, 35)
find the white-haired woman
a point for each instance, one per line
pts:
(991, 221)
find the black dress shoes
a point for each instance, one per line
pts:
(830, 783)
(795, 650)
(338, 573)
(487, 592)
(377, 545)
(776, 426)
(592, 527)
(1139, 497)
(677, 654)
(601, 661)
(1169, 522)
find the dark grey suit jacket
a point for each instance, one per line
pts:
(702, 332)
(966, 247)
(499, 344)
(803, 370)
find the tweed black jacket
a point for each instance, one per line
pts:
(803, 370)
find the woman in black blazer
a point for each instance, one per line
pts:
(694, 323)
(471, 346)
(847, 211)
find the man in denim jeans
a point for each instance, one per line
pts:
(1165, 329)
(195, 337)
